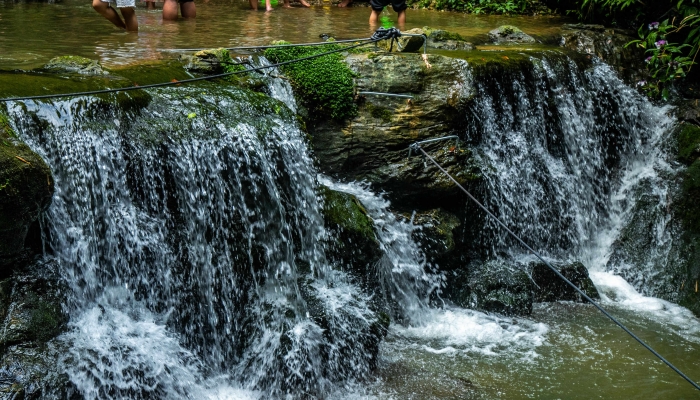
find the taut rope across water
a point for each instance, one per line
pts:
(416, 147)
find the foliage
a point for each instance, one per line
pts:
(323, 84)
(668, 60)
(479, 6)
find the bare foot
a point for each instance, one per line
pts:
(344, 3)
(304, 3)
(286, 6)
(269, 8)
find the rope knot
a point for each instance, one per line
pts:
(384, 33)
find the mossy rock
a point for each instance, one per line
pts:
(209, 61)
(347, 213)
(75, 64)
(509, 34)
(445, 40)
(26, 188)
(435, 234)
(688, 143)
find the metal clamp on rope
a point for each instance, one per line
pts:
(416, 145)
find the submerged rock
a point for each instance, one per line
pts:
(26, 187)
(550, 287)
(75, 64)
(509, 34)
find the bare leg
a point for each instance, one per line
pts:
(286, 4)
(108, 12)
(150, 5)
(344, 3)
(188, 9)
(129, 14)
(170, 10)
(254, 5)
(268, 6)
(374, 17)
(401, 19)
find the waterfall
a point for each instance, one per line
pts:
(187, 226)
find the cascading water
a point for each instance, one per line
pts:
(187, 226)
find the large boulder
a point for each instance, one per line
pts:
(550, 287)
(609, 45)
(373, 146)
(509, 34)
(26, 188)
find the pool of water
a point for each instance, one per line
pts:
(32, 33)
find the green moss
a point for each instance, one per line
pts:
(508, 29)
(379, 112)
(324, 84)
(688, 143)
(346, 211)
(70, 61)
(440, 35)
(45, 319)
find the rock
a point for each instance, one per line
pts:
(435, 235)
(445, 40)
(494, 286)
(688, 143)
(373, 146)
(550, 287)
(609, 46)
(210, 61)
(405, 44)
(352, 243)
(26, 188)
(509, 34)
(75, 64)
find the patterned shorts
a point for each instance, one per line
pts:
(122, 3)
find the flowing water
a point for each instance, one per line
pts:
(190, 232)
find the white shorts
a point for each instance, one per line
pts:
(122, 3)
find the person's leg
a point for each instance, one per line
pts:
(286, 4)
(188, 9)
(150, 5)
(129, 14)
(401, 18)
(374, 17)
(108, 12)
(344, 3)
(170, 10)
(268, 5)
(304, 3)
(253, 5)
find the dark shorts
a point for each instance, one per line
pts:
(397, 5)
(184, 1)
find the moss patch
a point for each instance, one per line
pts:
(379, 112)
(324, 84)
(688, 143)
(440, 35)
(345, 211)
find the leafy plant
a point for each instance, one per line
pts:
(668, 61)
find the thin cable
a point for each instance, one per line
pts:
(417, 147)
(272, 46)
(201, 78)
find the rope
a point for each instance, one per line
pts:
(416, 146)
(202, 78)
(273, 46)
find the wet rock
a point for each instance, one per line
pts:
(352, 243)
(435, 235)
(509, 34)
(609, 46)
(442, 39)
(373, 146)
(26, 188)
(688, 143)
(549, 287)
(210, 61)
(493, 286)
(75, 64)
(405, 44)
